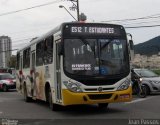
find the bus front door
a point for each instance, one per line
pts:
(58, 74)
(32, 72)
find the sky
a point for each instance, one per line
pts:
(24, 25)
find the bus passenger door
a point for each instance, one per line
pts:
(18, 79)
(32, 73)
(21, 73)
(58, 74)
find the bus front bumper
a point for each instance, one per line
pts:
(71, 98)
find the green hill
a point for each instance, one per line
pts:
(149, 47)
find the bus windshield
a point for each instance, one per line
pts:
(95, 57)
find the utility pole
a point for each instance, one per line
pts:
(61, 6)
(75, 7)
(78, 10)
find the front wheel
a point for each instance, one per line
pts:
(103, 105)
(53, 107)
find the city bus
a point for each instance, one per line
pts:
(76, 63)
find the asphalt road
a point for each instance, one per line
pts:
(12, 106)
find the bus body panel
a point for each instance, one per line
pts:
(70, 98)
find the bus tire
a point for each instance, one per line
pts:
(53, 107)
(26, 98)
(102, 105)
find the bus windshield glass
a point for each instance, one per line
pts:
(95, 57)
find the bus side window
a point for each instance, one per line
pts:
(18, 61)
(39, 53)
(45, 60)
(26, 58)
(48, 50)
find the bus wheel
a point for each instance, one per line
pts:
(5, 89)
(102, 105)
(26, 98)
(53, 107)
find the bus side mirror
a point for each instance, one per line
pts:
(131, 44)
(131, 47)
(60, 50)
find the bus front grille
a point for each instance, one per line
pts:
(99, 96)
(95, 89)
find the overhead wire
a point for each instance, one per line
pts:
(131, 19)
(37, 6)
(128, 19)
(16, 11)
(139, 18)
(144, 22)
(147, 26)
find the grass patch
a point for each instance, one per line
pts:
(157, 71)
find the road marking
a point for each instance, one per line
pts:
(138, 100)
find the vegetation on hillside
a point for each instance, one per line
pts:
(149, 47)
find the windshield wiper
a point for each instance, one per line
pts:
(91, 48)
(84, 41)
(106, 44)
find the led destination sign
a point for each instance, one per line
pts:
(93, 30)
(96, 30)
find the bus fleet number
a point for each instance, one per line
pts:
(76, 29)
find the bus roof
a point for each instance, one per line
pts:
(41, 37)
(56, 29)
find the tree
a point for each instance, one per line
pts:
(12, 62)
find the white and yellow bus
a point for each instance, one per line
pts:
(76, 63)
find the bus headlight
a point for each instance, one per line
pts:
(74, 87)
(125, 85)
